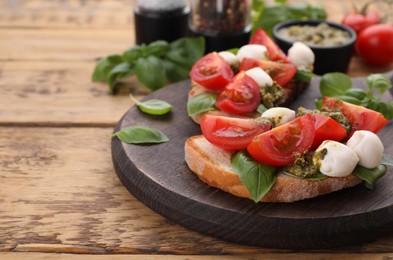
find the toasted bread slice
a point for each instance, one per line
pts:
(212, 165)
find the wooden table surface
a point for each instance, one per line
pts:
(59, 194)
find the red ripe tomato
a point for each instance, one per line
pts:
(361, 118)
(212, 72)
(240, 96)
(232, 133)
(375, 44)
(359, 21)
(281, 145)
(326, 128)
(282, 73)
(275, 53)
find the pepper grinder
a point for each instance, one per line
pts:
(160, 20)
(225, 24)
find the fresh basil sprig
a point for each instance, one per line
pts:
(267, 15)
(153, 106)
(256, 177)
(141, 135)
(201, 103)
(154, 65)
(339, 85)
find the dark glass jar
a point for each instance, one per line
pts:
(160, 20)
(225, 24)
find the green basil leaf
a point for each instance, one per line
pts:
(335, 84)
(104, 66)
(141, 135)
(349, 99)
(186, 51)
(201, 103)
(132, 54)
(304, 75)
(158, 48)
(379, 82)
(386, 160)
(316, 177)
(377, 104)
(272, 14)
(174, 72)
(151, 72)
(357, 93)
(153, 106)
(369, 176)
(261, 108)
(256, 177)
(119, 72)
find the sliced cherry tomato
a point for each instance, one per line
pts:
(212, 72)
(326, 128)
(361, 118)
(275, 53)
(240, 96)
(282, 73)
(232, 133)
(375, 44)
(360, 21)
(281, 145)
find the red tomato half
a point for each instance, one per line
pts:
(326, 128)
(361, 118)
(282, 73)
(232, 133)
(281, 145)
(375, 44)
(212, 72)
(275, 53)
(240, 96)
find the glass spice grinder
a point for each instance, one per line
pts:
(225, 24)
(160, 20)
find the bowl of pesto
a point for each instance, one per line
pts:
(332, 43)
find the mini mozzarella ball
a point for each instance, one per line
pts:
(368, 147)
(280, 115)
(339, 160)
(254, 51)
(259, 76)
(229, 57)
(301, 55)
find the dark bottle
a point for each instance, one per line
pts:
(225, 24)
(160, 20)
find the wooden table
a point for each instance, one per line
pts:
(59, 195)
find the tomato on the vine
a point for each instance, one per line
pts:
(281, 145)
(241, 95)
(375, 44)
(212, 72)
(230, 132)
(359, 21)
(282, 73)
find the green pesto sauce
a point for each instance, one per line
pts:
(272, 95)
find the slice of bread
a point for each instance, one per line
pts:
(212, 165)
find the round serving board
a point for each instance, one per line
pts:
(158, 176)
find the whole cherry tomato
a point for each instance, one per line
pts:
(359, 21)
(375, 44)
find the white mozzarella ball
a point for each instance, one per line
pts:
(339, 160)
(280, 115)
(229, 57)
(259, 76)
(301, 55)
(368, 147)
(255, 51)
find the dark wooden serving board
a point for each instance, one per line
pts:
(158, 176)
